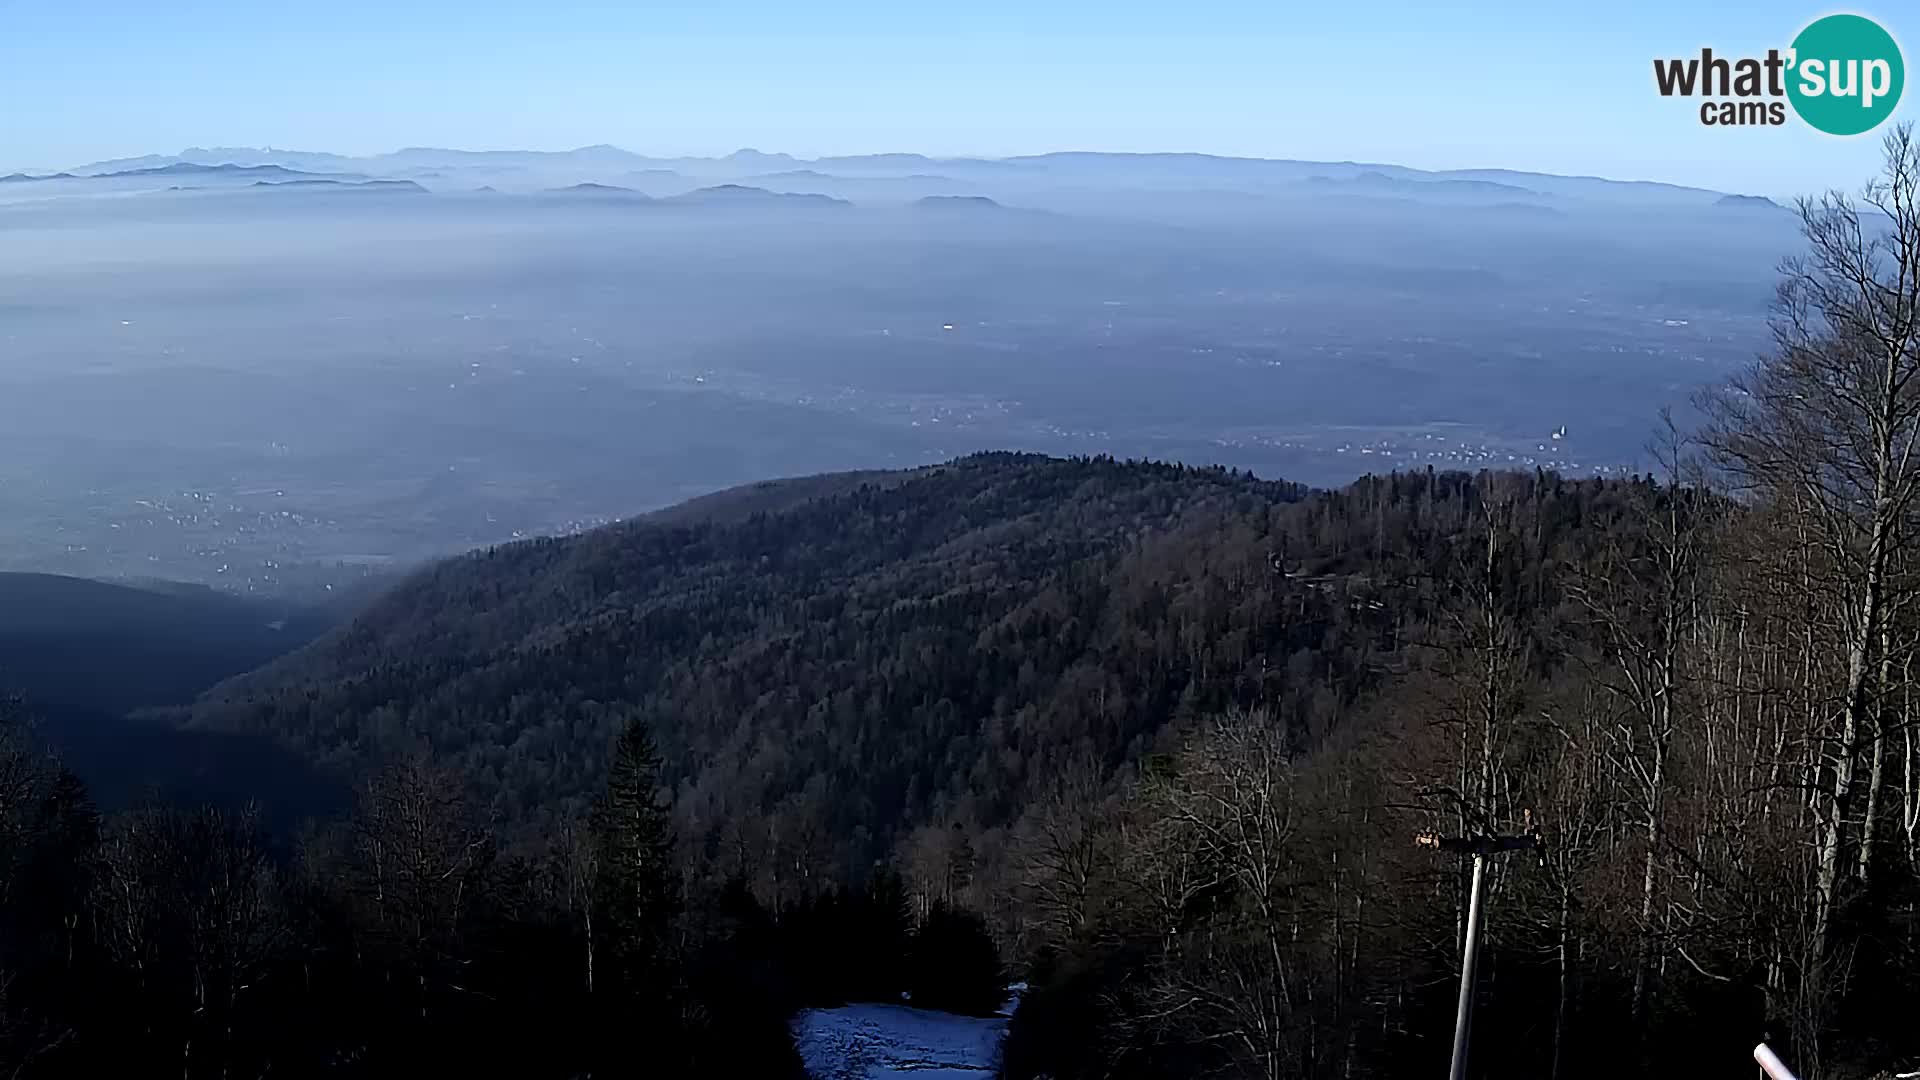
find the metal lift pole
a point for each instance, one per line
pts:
(1469, 960)
(1479, 847)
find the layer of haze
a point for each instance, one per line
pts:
(276, 376)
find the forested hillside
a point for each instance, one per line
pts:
(1033, 685)
(821, 677)
(922, 652)
(168, 641)
(81, 655)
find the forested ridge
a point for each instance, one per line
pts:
(878, 658)
(1158, 739)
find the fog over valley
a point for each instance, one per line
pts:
(279, 371)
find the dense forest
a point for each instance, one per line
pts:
(1158, 740)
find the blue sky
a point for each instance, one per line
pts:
(1549, 86)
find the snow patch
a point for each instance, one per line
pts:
(881, 1042)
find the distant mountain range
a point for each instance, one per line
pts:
(190, 168)
(343, 185)
(729, 194)
(600, 163)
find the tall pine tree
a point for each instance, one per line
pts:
(637, 886)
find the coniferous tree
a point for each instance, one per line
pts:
(885, 941)
(637, 885)
(956, 967)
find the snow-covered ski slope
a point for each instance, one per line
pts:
(882, 1042)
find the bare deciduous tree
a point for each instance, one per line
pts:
(1826, 429)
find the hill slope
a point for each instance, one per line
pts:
(82, 654)
(863, 661)
(827, 674)
(163, 644)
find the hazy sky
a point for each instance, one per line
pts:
(1550, 86)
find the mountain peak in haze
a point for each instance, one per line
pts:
(603, 154)
(743, 195)
(750, 156)
(598, 189)
(958, 202)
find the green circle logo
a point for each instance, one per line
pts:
(1846, 74)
